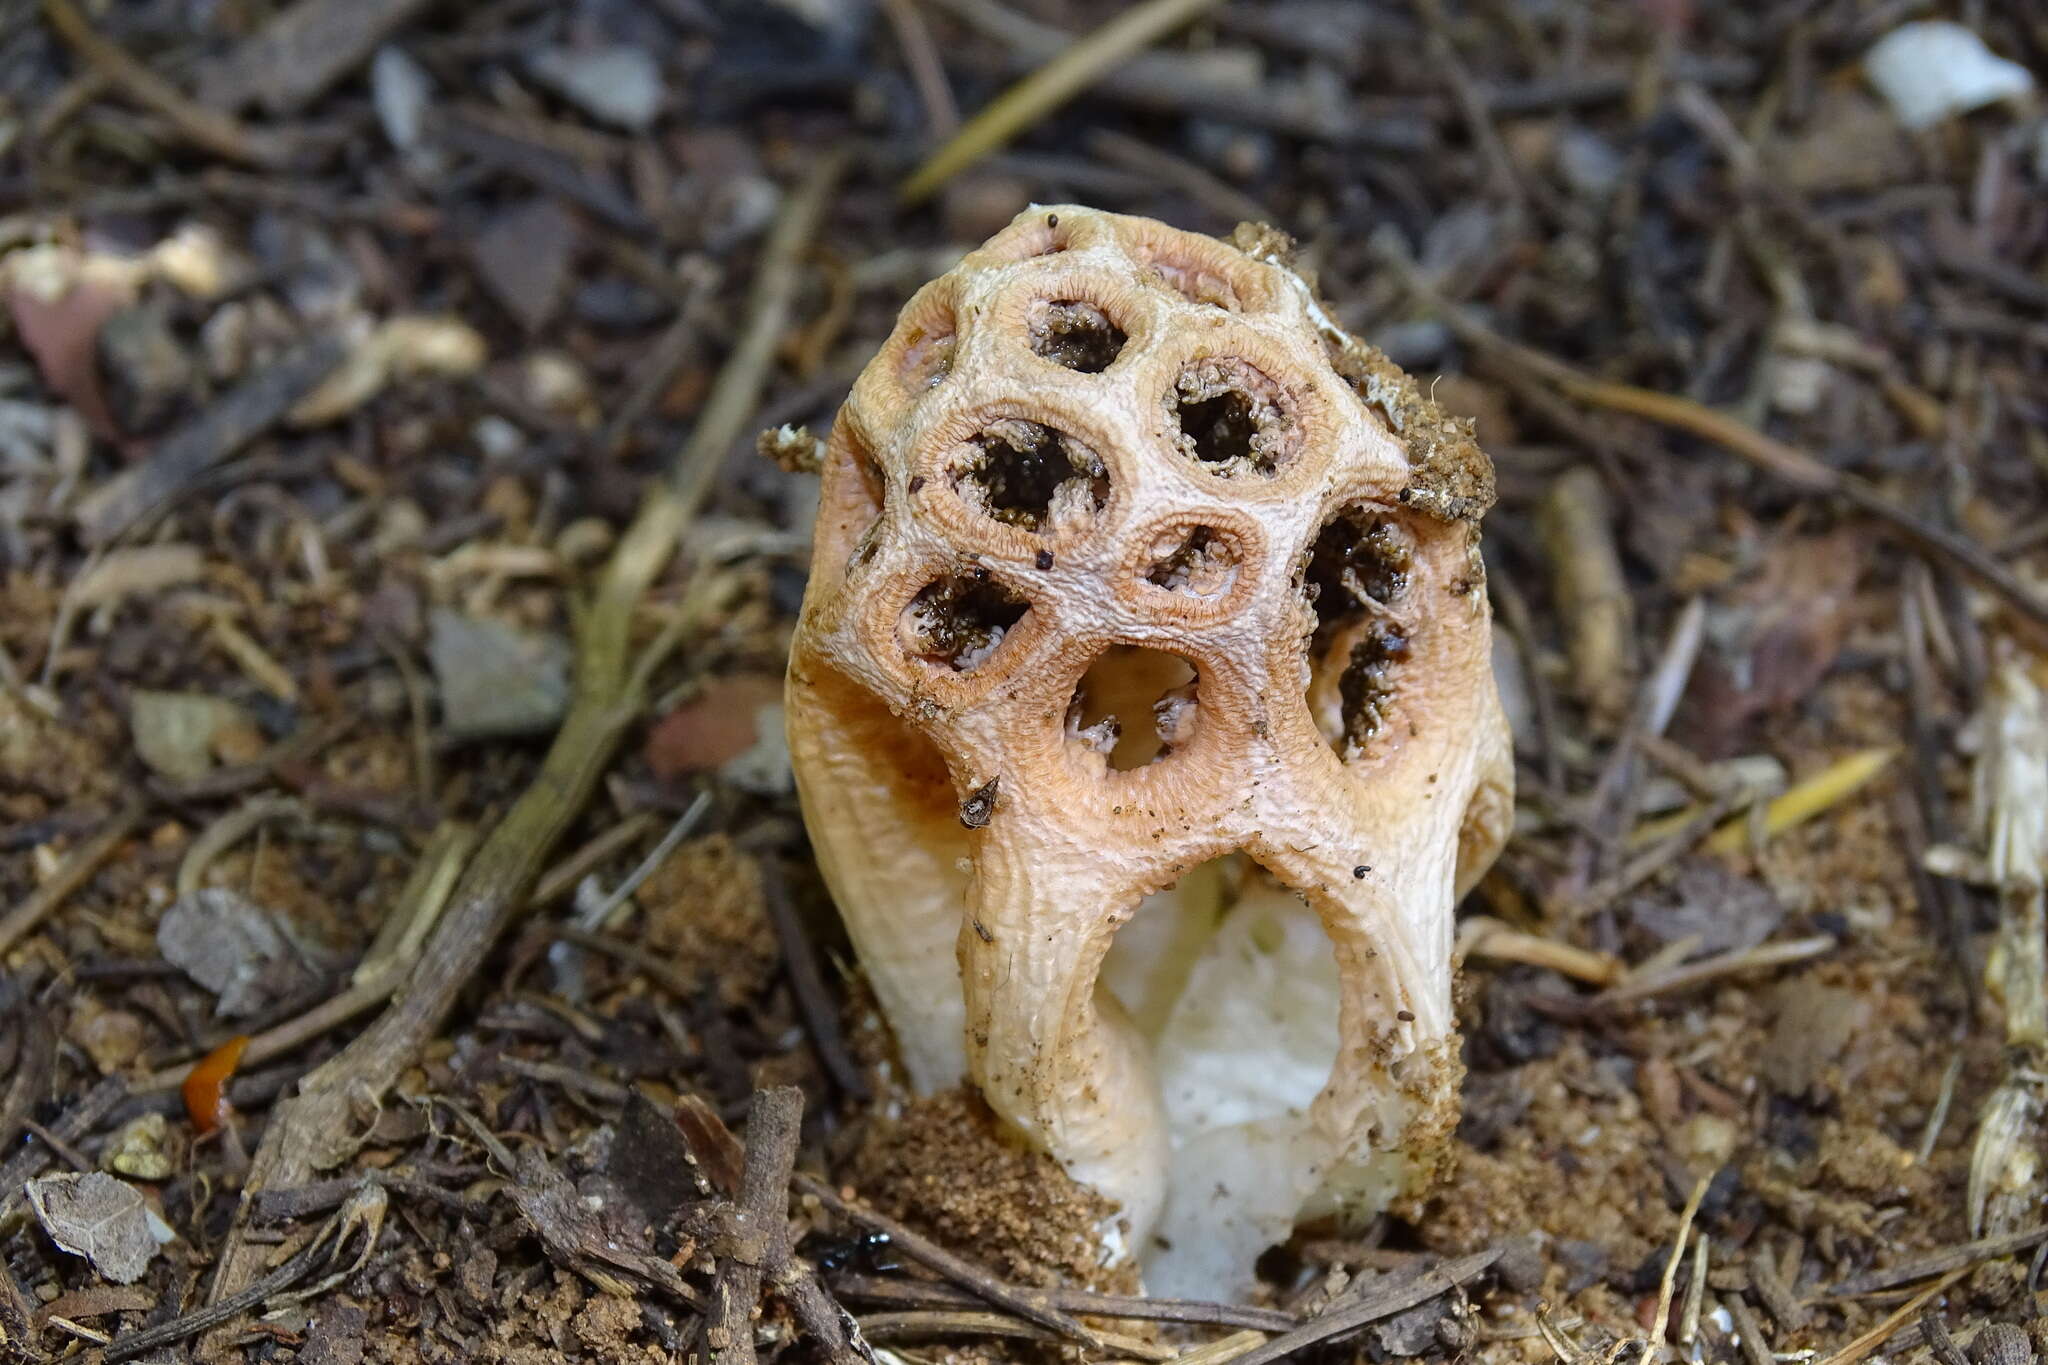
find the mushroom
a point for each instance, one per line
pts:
(1144, 596)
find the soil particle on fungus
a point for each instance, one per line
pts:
(947, 1169)
(1452, 478)
(705, 915)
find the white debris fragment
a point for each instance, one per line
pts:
(620, 85)
(402, 90)
(1927, 71)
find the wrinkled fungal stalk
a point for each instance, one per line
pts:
(1143, 596)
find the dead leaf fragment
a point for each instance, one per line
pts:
(62, 333)
(495, 680)
(249, 956)
(96, 1302)
(1813, 1029)
(524, 258)
(1777, 637)
(174, 731)
(105, 1220)
(716, 727)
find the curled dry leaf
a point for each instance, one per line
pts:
(400, 348)
(63, 333)
(105, 1220)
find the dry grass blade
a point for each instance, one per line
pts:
(1662, 1320)
(1050, 86)
(1821, 792)
(908, 1293)
(383, 969)
(1693, 975)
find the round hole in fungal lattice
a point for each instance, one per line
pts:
(959, 621)
(1030, 475)
(1134, 706)
(1230, 418)
(1359, 580)
(1076, 335)
(1195, 561)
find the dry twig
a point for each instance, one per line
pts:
(205, 128)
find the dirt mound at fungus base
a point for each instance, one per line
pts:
(946, 1168)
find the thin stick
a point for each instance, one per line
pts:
(1372, 1305)
(919, 1325)
(314, 1130)
(1030, 1304)
(685, 825)
(1050, 86)
(1696, 974)
(205, 128)
(42, 902)
(420, 902)
(927, 71)
(559, 880)
(722, 1159)
(907, 1293)
(77, 1121)
(1935, 1263)
(1482, 936)
(760, 1218)
(814, 1000)
(1749, 1330)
